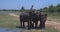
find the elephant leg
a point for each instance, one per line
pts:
(42, 25)
(23, 24)
(28, 25)
(31, 24)
(36, 23)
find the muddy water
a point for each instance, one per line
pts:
(7, 30)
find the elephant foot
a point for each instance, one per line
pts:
(20, 26)
(36, 27)
(28, 28)
(23, 27)
(41, 27)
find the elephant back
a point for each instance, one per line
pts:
(24, 16)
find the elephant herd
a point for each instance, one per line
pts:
(33, 17)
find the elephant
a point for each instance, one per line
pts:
(42, 19)
(24, 17)
(28, 17)
(39, 16)
(34, 19)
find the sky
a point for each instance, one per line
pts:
(17, 4)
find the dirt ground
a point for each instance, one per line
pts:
(49, 22)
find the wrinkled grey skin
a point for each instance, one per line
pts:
(24, 17)
(39, 16)
(34, 17)
(42, 18)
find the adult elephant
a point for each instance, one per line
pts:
(33, 18)
(24, 17)
(42, 18)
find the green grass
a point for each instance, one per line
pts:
(54, 16)
(7, 21)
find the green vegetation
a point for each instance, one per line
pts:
(50, 9)
(11, 22)
(7, 21)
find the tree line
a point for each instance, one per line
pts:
(50, 9)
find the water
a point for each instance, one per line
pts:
(7, 30)
(12, 30)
